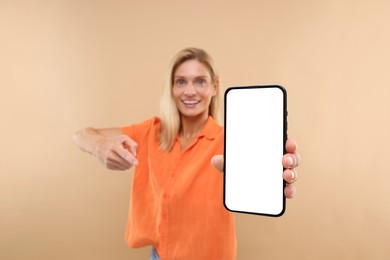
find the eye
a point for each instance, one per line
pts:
(201, 82)
(180, 82)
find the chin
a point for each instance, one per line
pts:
(190, 114)
(193, 114)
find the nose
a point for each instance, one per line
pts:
(190, 90)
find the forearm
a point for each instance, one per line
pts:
(87, 139)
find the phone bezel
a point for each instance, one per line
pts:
(285, 114)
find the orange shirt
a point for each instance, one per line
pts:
(176, 202)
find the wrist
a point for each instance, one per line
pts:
(97, 147)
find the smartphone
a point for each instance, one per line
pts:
(255, 135)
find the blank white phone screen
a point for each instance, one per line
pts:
(255, 134)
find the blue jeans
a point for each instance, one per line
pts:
(154, 255)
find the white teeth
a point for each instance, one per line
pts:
(188, 102)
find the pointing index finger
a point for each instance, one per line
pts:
(129, 144)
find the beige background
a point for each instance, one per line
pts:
(65, 65)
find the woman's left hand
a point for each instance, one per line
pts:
(290, 161)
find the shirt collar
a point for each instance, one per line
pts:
(211, 129)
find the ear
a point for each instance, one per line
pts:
(216, 87)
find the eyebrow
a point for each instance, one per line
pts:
(183, 77)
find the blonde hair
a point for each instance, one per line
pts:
(170, 117)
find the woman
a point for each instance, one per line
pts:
(176, 199)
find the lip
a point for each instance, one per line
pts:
(190, 103)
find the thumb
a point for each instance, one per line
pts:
(217, 161)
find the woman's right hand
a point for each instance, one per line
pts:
(117, 153)
(114, 150)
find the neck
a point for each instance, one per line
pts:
(191, 126)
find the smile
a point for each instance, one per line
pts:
(190, 102)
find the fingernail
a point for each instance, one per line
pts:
(293, 175)
(214, 159)
(293, 191)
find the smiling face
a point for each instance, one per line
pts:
(193, 88)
